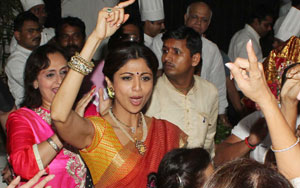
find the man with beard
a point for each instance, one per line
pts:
(27, 32)
(70, 35)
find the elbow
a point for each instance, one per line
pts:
(58, 117)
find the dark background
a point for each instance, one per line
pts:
(229, 16)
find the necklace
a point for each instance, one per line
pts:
(43, 114)
(133, 129)
(139, 144)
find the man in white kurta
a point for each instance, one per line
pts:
(259, 26)
(27, 33)
(212, 63)
(180, 96)
(195, 113)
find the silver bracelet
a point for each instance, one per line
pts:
(53, 145)
(286, 149)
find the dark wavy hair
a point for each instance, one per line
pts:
(181, 168)
(120, 55)
(246, 173)
(37, 61)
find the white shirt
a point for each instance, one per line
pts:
(242, 130)
(46, 35)
(195, 113)
(212, 68)
(237, 46)
(157, 48)
(14, 70)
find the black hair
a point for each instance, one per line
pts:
(117, 57)
(193, 40)
(246, 173)
(259, 12)
(181, 168)
(37, 61)
(22, 17)
(119, 36)
(72, 21)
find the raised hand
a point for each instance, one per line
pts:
(249, 75)
(110, 19)
(104, 105)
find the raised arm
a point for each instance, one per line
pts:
(68, 123)
(250, 77)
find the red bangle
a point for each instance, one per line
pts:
(249, 145)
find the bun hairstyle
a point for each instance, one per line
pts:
(181, 168)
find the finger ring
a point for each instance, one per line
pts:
(109, 10)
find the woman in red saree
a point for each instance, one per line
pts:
(124, 146)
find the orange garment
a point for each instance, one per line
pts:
(114, 165)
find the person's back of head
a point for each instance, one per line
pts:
(182, 168)
(296, 3)
(246, 173)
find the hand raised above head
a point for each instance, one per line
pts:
(249, 75)
(110, 19)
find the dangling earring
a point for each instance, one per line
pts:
(111, 92)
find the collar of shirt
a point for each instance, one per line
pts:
(252, 32)
(23, 50)
(171, 86)
(148, 40)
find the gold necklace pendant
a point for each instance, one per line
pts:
(140, 147)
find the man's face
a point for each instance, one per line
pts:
(265, 26)
(198, 17)
(176, 58)
(30, 35)
(40, 12)
(71, 39)
(155, 27)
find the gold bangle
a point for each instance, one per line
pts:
(80, 65)
(53, 145)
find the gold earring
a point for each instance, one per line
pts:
(111, 92)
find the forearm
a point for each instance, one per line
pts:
(289, 111)
(282, 137)
(229, 151)
(47, 152)
(65, 97)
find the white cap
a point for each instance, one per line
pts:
(28, 4)
(151, 10)
(290, 25)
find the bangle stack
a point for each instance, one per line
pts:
(80, 65)
(53, 145)
(252, 147)
(286, 149)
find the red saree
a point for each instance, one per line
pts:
(130, 169)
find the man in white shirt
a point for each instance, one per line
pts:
(152, 16)
(36, 7)
(198, 17)
(259, 25)
(28, 35)
(182, 97)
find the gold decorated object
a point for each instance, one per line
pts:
(79, 64)
(278, 60)
(141, 147)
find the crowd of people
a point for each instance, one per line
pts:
(146, 115)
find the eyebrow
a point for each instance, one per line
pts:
(143, 73)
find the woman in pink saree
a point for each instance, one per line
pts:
(32, 142)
